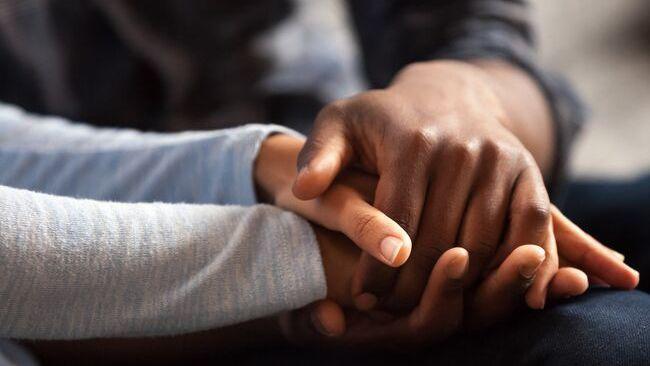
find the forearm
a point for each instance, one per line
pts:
(55, 156)
(73, 269)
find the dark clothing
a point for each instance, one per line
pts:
(617, 213)
(601, 328)
(173, 65)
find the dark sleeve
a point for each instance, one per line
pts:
(395, 33)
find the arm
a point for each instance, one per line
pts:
(52, 155)
(495, 35)
(207, 262)
(462, 145)
(73, 268)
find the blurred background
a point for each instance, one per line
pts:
(603, 47)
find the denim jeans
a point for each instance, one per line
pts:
(602, 327)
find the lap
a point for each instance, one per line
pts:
(602, 327)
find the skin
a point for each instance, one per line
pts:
(460, 149)
(344, 208)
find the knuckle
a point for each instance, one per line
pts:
(363, 225)
(465, 153)
(527, 159)
(496, 151)
(336, 109)
(420, 142)
(534, 213)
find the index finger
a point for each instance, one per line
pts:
(586, 253)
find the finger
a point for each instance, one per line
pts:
(529, 214)
(315, 322)
(595, 281)
(345, 209)
(440, 309)
(326, 151)
(589, 255)
(446, 201)
(373, 231)
(567, 282)
(400, 195)
(438, 314)
(483, 224)
(502, 292)
(536, 295)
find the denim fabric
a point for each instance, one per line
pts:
(603, 327)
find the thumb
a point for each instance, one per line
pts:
(316, 322)
(326, 151)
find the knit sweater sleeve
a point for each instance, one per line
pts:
(73, 268)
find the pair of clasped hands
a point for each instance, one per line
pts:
(448, 210)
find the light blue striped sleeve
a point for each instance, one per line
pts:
(52, 155)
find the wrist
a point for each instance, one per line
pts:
(455, 86)
(275, 166)
(340, 257)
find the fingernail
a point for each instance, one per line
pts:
(619, 255)
(390, 247)
(318, 325)
(529, 270)
(302, 172)
(457, 268)
(366, 301)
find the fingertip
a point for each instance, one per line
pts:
(315, 177)
(458, 265)
(328, 319)
(305, 186)
(402, 253)
(538, 252)
(532, 257)
(580, 282)
(634, 279)
(568, 282)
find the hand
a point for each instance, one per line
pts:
(450, 171)
(344, 207)
(439, 314)
(580, 250)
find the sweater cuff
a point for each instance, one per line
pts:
(245, 145)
